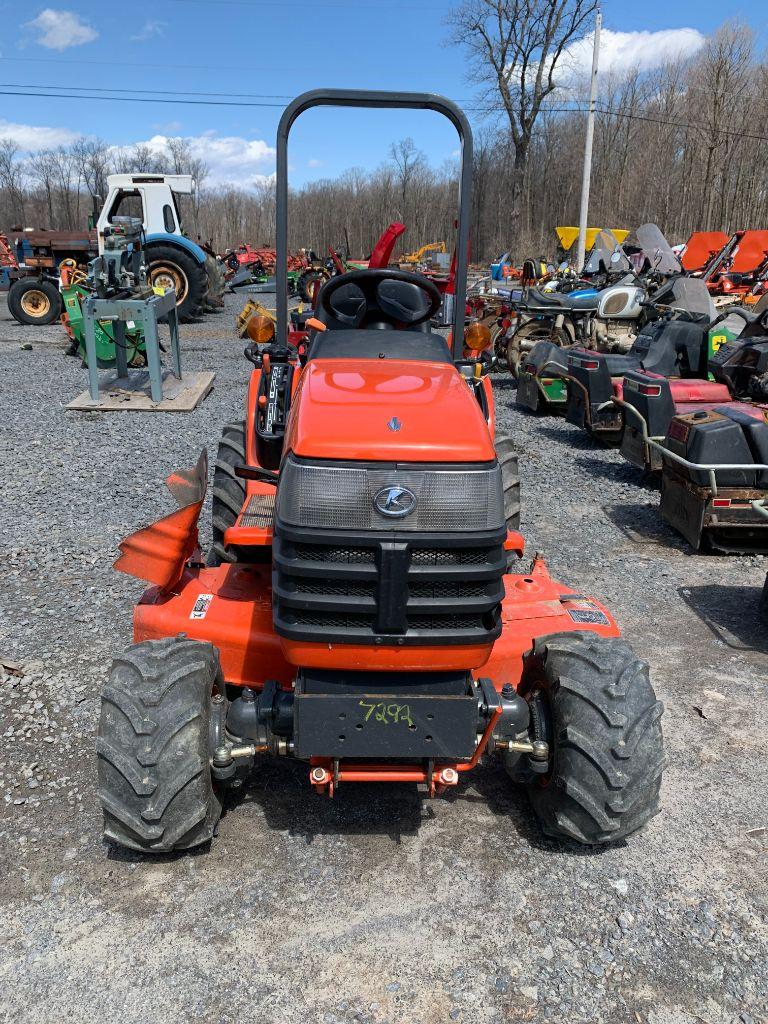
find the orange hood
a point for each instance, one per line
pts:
(393, 410)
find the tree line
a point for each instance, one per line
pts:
(682, 145)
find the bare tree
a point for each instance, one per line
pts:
(408, 161)
(515, 49)
(11, 179)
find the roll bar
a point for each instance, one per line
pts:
(383, 100)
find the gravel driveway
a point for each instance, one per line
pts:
(379, 906)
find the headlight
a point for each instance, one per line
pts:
(375, 497)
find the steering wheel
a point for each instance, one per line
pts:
(375, 294)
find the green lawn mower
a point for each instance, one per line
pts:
(74, 290)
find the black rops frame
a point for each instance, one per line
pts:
(384, 100)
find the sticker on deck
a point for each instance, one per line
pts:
(201, 606)
(591, 615)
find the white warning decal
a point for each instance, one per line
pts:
(201, 606)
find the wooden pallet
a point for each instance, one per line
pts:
(131, 393)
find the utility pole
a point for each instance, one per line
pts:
(584, 208)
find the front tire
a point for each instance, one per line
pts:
(34, 302)
(228, 491)
(525, 338)
(510, 480)
(592, 700)
(155, 782)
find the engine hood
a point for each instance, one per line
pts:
(393, 410)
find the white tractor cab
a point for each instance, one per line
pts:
(174, 261)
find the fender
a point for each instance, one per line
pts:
(180, 242)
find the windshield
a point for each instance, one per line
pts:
(689, 294)
(606, 256)
(658, 250)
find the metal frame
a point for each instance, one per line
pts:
(146, 311)
(705, 467)
(388, 101)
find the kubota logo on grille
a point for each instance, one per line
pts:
(394, 501)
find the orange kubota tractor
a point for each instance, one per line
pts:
(363, 608)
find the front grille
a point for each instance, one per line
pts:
(446, 589)
(321, 553)
(387, 589)
(335, 588)
(449, 556)
(331, 620)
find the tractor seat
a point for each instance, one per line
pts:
(376, 317)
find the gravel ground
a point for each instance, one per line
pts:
(380, 906)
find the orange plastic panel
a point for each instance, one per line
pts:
(387, 410)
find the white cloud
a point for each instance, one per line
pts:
(151, 28)
(620, 51)
(32, 138)
(314, 162)
(61, 29)
(231, 159)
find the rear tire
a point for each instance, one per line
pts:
(155, 782)
(228, 491)
(34, 302)
(307, 281)
(168, 265)
(592, 700)
(214, 300)
(510, 480)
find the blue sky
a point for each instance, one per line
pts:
(276, 49)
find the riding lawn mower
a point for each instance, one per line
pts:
(364, 608)
(709, 441)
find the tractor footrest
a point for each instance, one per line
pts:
(254, 524)
(258, 511)
(387, 716)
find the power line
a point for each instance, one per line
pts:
(149, 92)
(339, 5)
(141, 99)
(154, 97)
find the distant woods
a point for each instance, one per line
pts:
(684, 145)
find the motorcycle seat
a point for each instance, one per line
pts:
(556, 300)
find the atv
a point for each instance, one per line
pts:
(363, 609)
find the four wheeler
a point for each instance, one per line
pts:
(357, 611)
(542, 377)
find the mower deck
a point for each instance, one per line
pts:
(234, 604)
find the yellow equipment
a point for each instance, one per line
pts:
(413, 258)
(249, 310)
(568, 236)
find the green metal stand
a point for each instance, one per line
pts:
(148, 312)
